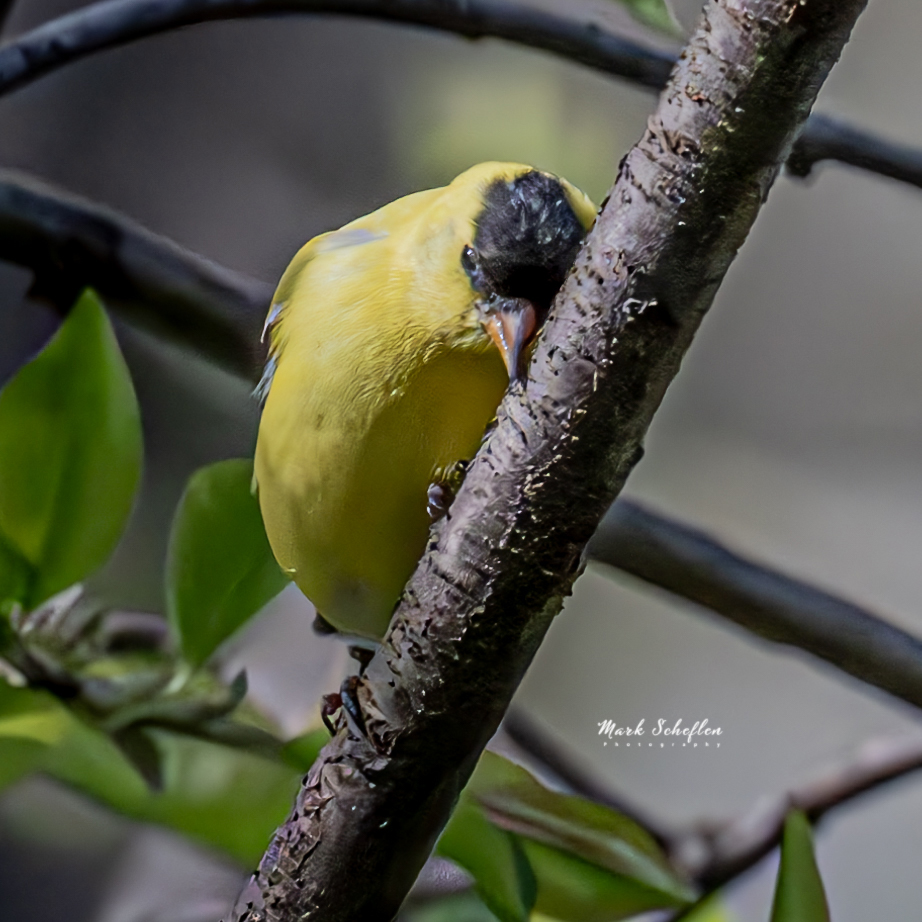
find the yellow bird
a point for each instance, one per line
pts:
(392, 341)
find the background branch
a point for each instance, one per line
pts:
(690, 564)
(713, 854)
(69, 243)
(118, 22)
(574, 36)
(829, 139)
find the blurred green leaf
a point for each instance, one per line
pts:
(220, 568)
(18, 758)
(711, 910)
(656, 14)
(502, 876)
(458, 907)
(30, 715)
(513, 800)
(222, 797)
(573, 890)
(799, 894)
(70, 456)
(16, 574)
(29, 722)
(141, 751)
(302, 751)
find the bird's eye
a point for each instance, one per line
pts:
(468, 259)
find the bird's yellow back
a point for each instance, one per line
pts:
(382, 377)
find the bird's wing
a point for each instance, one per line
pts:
(324, 243)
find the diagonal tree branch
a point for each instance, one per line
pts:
(69, 243)
(499, 565)
(690, 564)
(574, 36)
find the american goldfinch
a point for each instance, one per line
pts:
(391, 343)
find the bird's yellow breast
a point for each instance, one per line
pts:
(383, 379)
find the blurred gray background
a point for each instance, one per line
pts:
(794, 430)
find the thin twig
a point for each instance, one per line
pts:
(692, 565)
(69, 243)
(576, 36)
(830, 139)
(714, 854)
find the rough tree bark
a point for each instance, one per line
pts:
(500, 564)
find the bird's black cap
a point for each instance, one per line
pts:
(526, 239)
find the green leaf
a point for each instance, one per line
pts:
(302, 751)
(513, 800)
(16, 575)
(18, 758)
(711, 910)
(799, 894)
(29, 722)
(222, 797)
(30, 715)
(70, 456)
(220, 568)
(573, 890)
(225, 798)
(656, 14)
(502, 876)
(458, 907)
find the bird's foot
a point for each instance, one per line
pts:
(346, 700)
(441, 494)
(438, 499)
(322, 626)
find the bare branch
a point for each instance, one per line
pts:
(69, 243)
(499, 565)
(574, 35)
(830, 139)
(713, 854)
(117, 22)
(692, 565)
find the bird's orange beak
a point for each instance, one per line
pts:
(512, 327)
